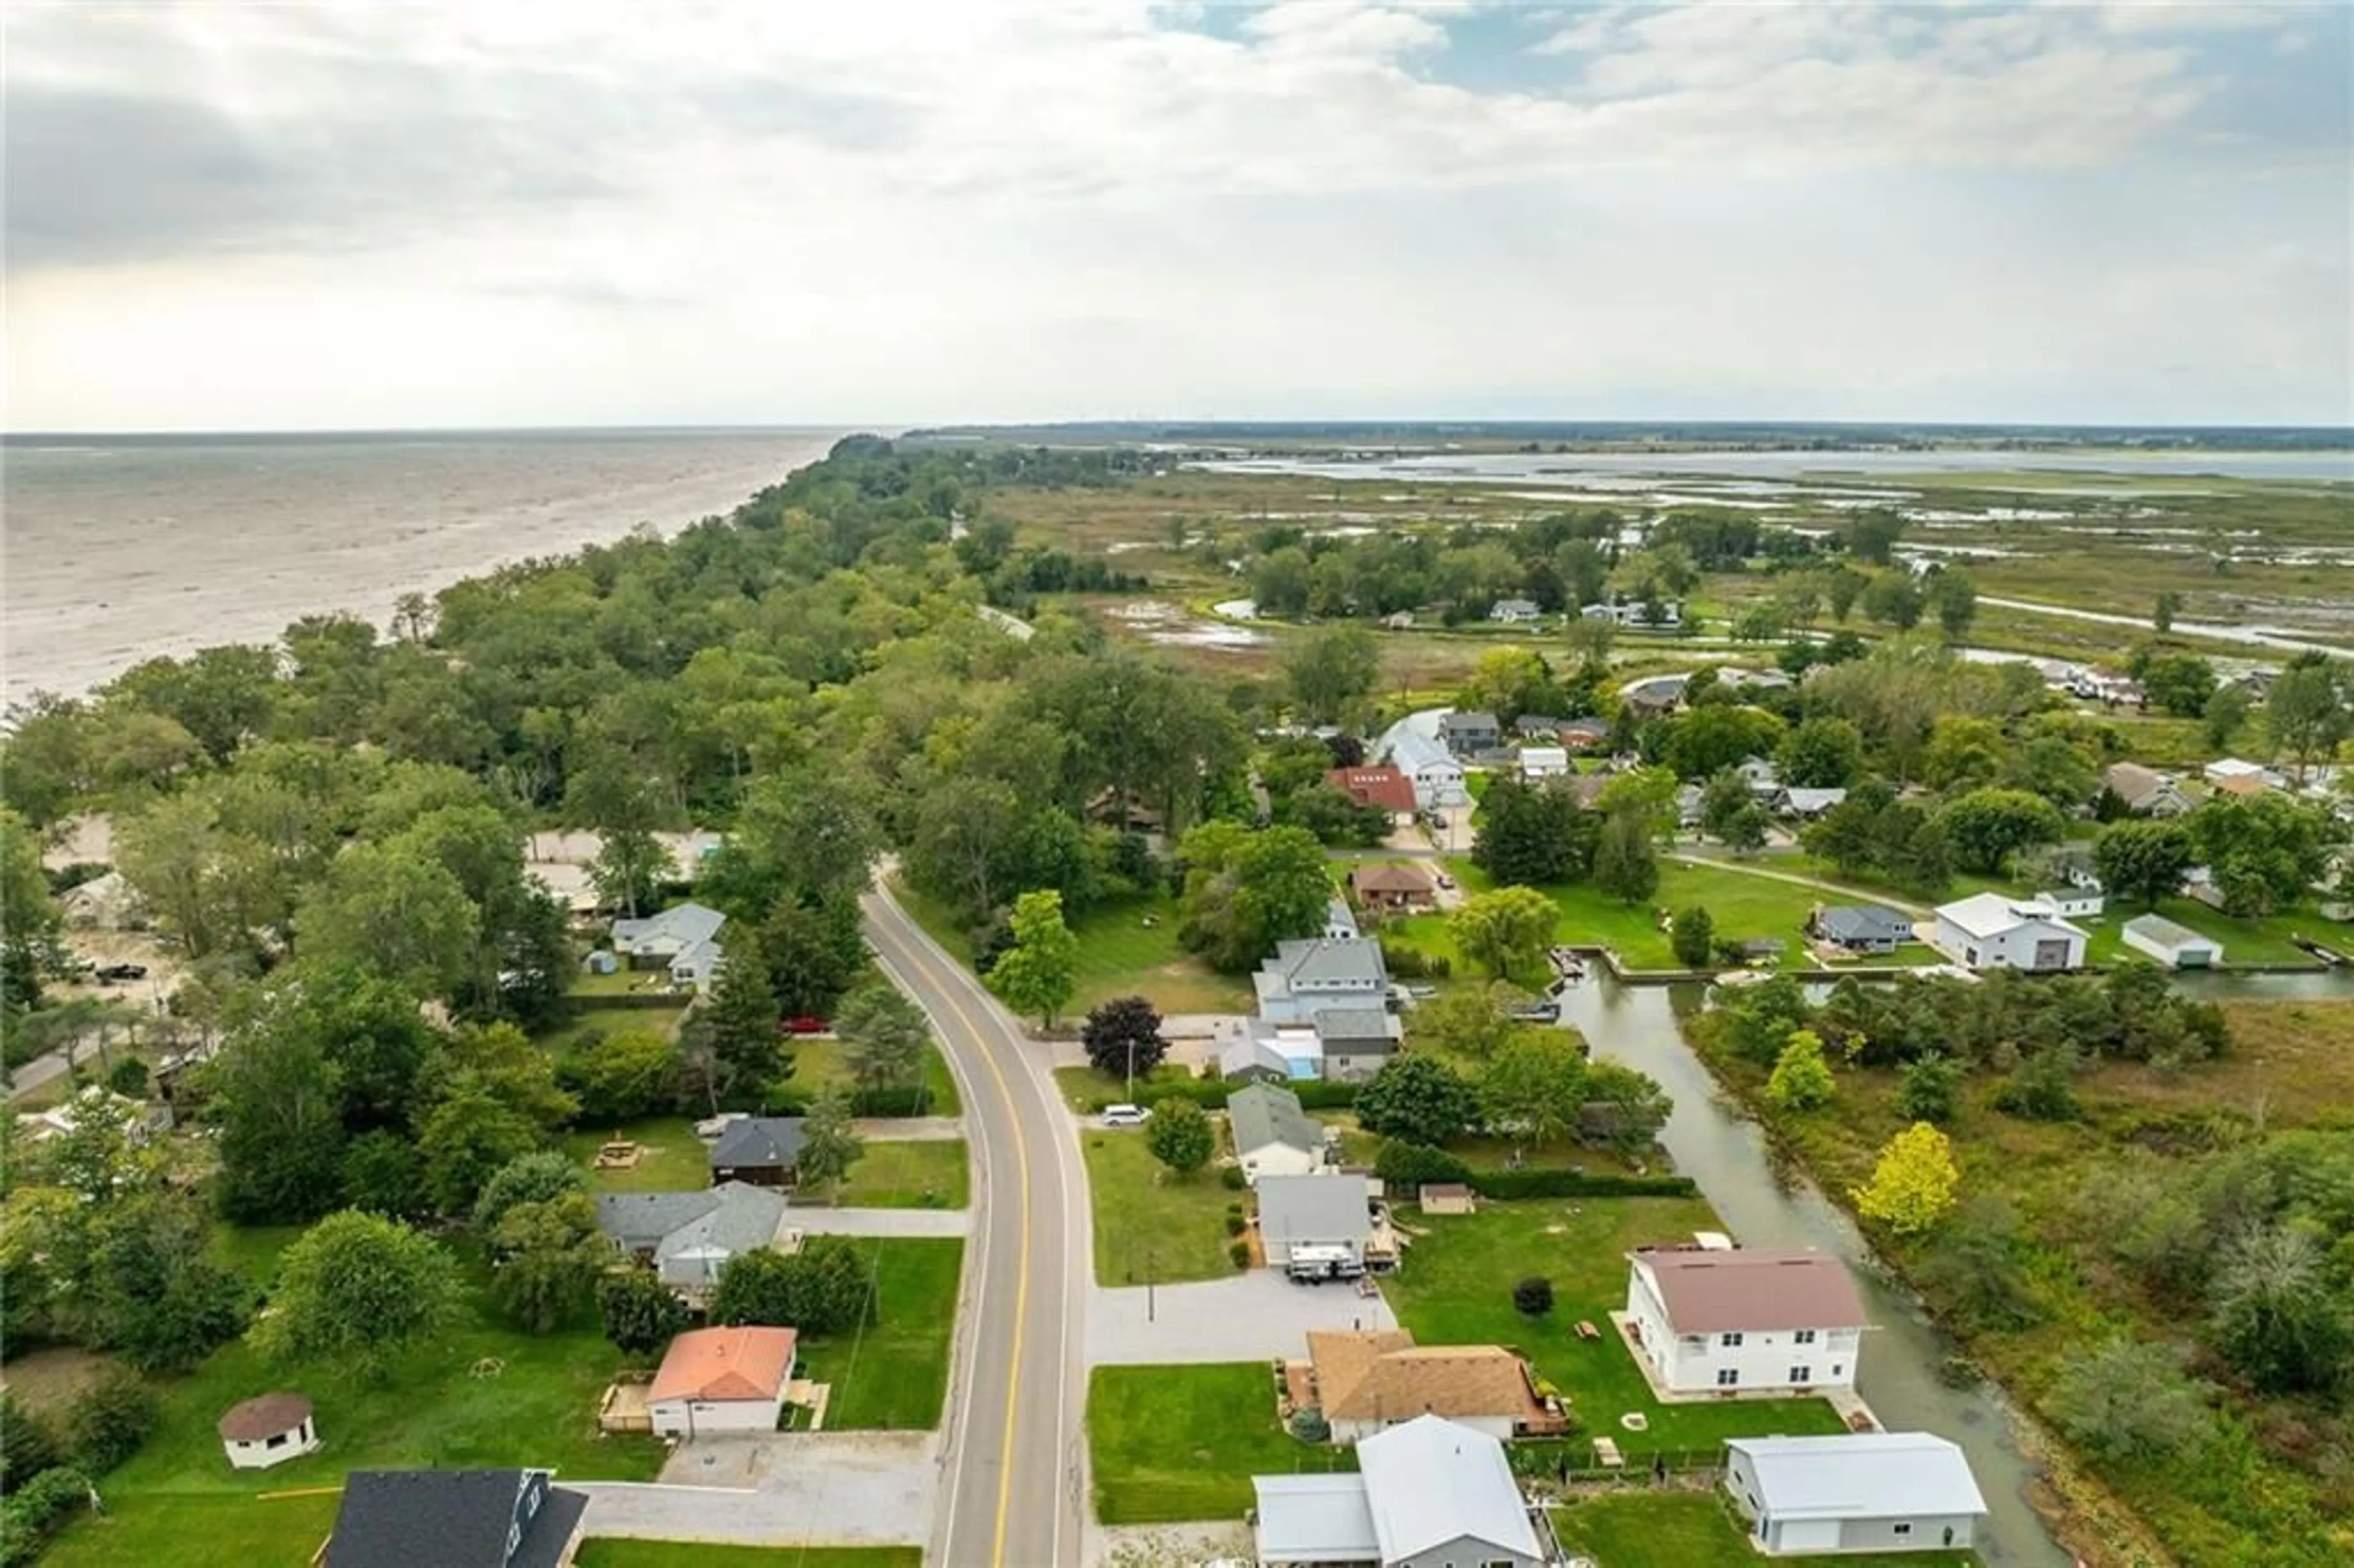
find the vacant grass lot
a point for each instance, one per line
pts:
(1152, 1223)
(611, 1552)
(594, 1021)
(927, 1174)
(1455, 1287)
(895, 1373)
(1182, 1443)
(818, 1064)
(1676, 1529)
(1119, 955)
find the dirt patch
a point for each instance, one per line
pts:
(50, 1380)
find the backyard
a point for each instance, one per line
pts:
(1455, 1287)
(927, 1174)
(894, 1374)
(1676, 1529)
(1152, 1223)
(671, 1159)
(1182, 1443)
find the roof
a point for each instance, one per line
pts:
(688, 924)
(1384, 787)
(2130, 782)
(1311, 1209)
(1390, 878)
(1327, 961)
(2241, 784)
(1430, 1482)
(1810, 800)
(1594, 726)
(1864, 923)
(265, 1415)
(2167, 933)
(1753, 1290)
(1862, 1475)
(642, 1219)
(760, 1140)
(1249, 1053)
(1384, 1375)
(1263, 1114)
(1585, 788)
(1468, 718)
(1356, 1024)
(1544, 757)
(452, 1519)
(1991, 914)
(745, 1218)
(1314, 1519)
(1414, 751)
(712, 1364)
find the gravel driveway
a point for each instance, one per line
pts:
(840, 1489)
(1253, 1317)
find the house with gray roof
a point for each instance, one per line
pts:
(1355, 1041)
(1427, 1493)
(454, 1519)
(765, 1151)
(1273, 1136)
(1437, 777)
(1862, 927)
(1319, 972)
(1804, 804)
(1467, 733)
(1320, 1226)
(688, 1238)
(682, 940)
(1862, 1491)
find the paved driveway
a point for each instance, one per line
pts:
(909, 1128)
(842, 1489)
(1253, 1317)
(817, 1220)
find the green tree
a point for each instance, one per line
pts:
(629, 868)
(2180, 683)
(813, 953)
(2225, 714)
(463, 1140)
(1416, 1099)
(1331, 671)
(1914, 1185)
(2305, 711)
(2276, 1313)
(1533, 834)
(1040, 971)
(640, 1313)
(28, 916)
(1533, 1088)
(1692, 935)
(883, 1037)
(1871, 535)
(826, 1287)
(1180, 1135)
(1954, 599)
(623, 1077)
(1802, 1080)
(2144, 861)
(395, 911)
(111, 1421)
(278, 1101)
(1929, 1089)
(1624, 865)
(829, 1145)
(383, 1174)
(1822, 753)
(1893, 598)
(1122, 1038)
(1963, 753)
(2162, 613)
(550, 1256)
(1987, 826)
(1465, 1022)
(540, 1177)
(1504, 930)
(2129, 1403)
(356, 1289)
(729, 1039)
(2263, 849)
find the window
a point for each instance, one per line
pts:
(1729, 1340)
(1837, 1371)
(1802, 1374)
(1727, 1377)
(278, 1441)
(1901, 1530)
(1804, 1337)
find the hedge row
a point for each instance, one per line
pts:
(793, 1099)
(1211, 1093)
(1578, 1184)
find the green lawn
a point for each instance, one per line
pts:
(1119, 955)
(818, 1064)
(1455, 1287)
(671, 1159)
(1676, 1530)
(894, 1374)
(930, 1173)
(177, 1501)
(594, 1020)
(1181, 1443)
(1086, 1091)
(2265, 941)
(1150, 1224)
(612, 1553)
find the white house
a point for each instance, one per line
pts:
(2176, 945)
(268, 1429)
(1428, 1493)
(1437, 777)
(1273, 1136)
(1543, 761)
(1988, 931)
(2072, 903)
(1320, 972)
(1746, 1321)
(722, 1380)
(1864, 1491)
(1513, 610)
(684, 939)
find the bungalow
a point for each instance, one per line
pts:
(1317, 972)
(1655, 694)
(1863, 1492)
(1583, 734)
(2143, 791)
(687, 1237)
(684, 939)
(2177, 946)
(1365, 1382)
(2071, 902)
(764, 1150)
(1745, 1321)
(1393, 889)
(1382, 788)
(722, 1380)
(1806, 804)
(454, 1518)
(1425, 1493)
(1273, 1136)
(1543, 761)
(1437, 777)
(1319, 1227)
(1861, 927)
(1537, 727)
(1987, 931)
(1636, 613)
(2225, 772)
(1467, 733)
(1515, 610)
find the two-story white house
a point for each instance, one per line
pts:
(1437, 777)
(1309, 975)
(1745, 1321)
(1988, 931)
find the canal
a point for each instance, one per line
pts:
(1766, 1205)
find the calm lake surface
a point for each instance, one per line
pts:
(1570, 470)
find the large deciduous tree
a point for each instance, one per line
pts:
(1180, 1135)
(1505, 930)
(2143, 861)
(356, 1289)
(1987, 826)
(1418, 1099)
(1122, 1037)
(1331, 671)
(1533, 1088)
(1626, 866)
(1038, 973)
(1914, 1185)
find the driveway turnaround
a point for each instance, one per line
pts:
(820, 1221)
(831, 1489)
(1253, 1317)
(909, 1128)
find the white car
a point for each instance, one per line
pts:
(1125, 1116)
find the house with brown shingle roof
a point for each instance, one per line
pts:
(1745, 1321)
(1392, 888)
(1368, 1381)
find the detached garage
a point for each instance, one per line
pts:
(722, 1380)
(2177, 946)
(1866, 1491)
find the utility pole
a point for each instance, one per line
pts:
(1152, 1274)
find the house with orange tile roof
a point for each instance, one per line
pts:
(722, 1380)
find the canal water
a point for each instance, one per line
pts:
(1766, 1205)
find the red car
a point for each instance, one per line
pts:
(805, 1024)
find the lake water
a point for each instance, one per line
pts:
(1576, 470)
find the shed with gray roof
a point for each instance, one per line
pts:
(1864, 1491)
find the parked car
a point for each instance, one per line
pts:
(1421, 993)
(804, 1023)
(109, 973)
(1124, 1116)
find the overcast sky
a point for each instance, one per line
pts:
(611, 213)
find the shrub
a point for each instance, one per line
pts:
(27, 1443)
(1307, 1425)
(2130, 1403)
(1532, 1297)
(110, 1422)
(1404, 963)
(35, 1509)
(129, 1077)
(1240, 1252)
(1232, 1178)
(1411, 1164)
(1929, 1089)
(1578, 1184)
(1236, 1224)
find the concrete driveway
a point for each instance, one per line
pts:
(1253, 1317)
(840, 1489)
(817, 1220)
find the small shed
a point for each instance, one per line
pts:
(1444, 1198)
(269, 1430)
(2176, 945)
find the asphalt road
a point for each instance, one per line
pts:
(1012, 1487)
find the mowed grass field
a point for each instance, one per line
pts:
(894, 1374)
(930, 1173)
(1682, 1529)
(1181, 1443)
(1152, 1223)
(1119, 955)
